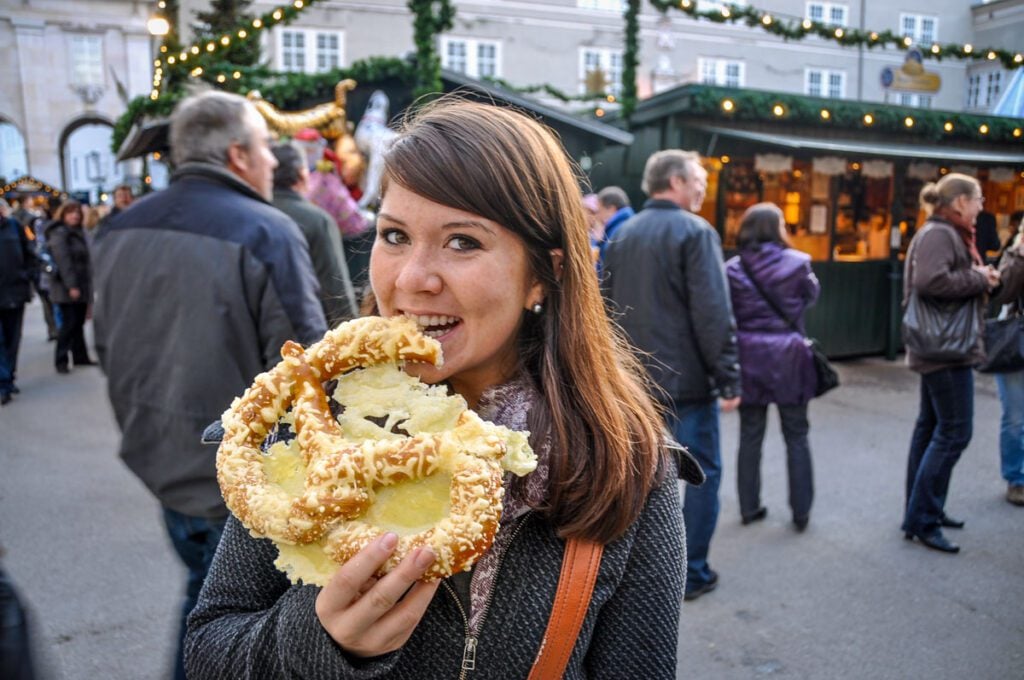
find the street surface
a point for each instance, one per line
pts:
(849, 598)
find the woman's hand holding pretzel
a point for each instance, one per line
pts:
(367, 616)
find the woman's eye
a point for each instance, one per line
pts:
(463, 243)
(392, 236)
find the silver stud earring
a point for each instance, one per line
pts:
(537, 309)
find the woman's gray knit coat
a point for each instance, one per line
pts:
(251, 623)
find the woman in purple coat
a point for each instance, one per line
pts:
(771, 286)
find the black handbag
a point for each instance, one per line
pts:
(827, 377)
(1004, 345)
(940, 330)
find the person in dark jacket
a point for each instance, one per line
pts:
(943, 262)
(17, 263)
(665, 280)
(197, 288)
(498, 269)
(70, 283)
(775, 363)
(613, 210)
(325, 249)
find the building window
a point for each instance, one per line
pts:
(824, 83)
(993, 87)
(86, 60)
(721, 72)
(973, 90)
(475, 58)
(328, 52)
(828, 13)
(600, 70)
(920, 101)
(293, 51)
(603, 5)
(923, 30)
(303, 50)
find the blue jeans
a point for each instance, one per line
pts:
(195, 540)
(943, 430)
(695, 426)
(1011, 426)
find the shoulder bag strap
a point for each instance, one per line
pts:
(771, 303)
(575, 585)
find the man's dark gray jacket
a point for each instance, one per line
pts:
(665, 279)
(197, 288)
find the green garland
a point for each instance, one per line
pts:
(928, 125)
(284, 90)
(798, 30)
(431, 18)
(630, 58)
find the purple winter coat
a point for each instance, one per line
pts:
(775, 363)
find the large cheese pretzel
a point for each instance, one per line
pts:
(432, 472)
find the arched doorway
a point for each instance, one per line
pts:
(88, 167)
(13, 157)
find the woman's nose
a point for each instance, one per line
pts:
(419, 273)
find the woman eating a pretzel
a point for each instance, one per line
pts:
(482, 241)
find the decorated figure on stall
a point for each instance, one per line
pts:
(372, 135)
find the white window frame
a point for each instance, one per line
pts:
(912, 25)
(826, 82)
(472, 55)
(609, 60)
(715, 71)
(85, 53)
(993, 78)
(828, 10)
(310, 51)
(618, 6)
(973, 90)
(918, 101)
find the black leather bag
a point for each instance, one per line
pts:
(1004, 345)
(828, 378)
(940, 330)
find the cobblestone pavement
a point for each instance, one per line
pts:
(847, 599)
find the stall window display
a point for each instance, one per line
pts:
(838, 217)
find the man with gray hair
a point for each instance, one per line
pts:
(197, 288)
(613, 210)
(665, 279)
(321, 231)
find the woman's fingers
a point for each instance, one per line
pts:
(384, 597)
(369, 616)
(349, 582)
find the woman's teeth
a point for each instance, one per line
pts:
(435, 325)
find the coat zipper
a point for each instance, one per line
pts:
(469, 649)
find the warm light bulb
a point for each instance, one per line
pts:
(948, 127)
(839, 33)
(936, 49)
(806, 24)
(728, 105)
(968, 48)
(225, 41)
(868, 119)
(210, 47)
(1016, 132)
(599, 113)
(725, 159)
(983, 129)
(825, 114)
(766, 20)
(778, 109)
(991, 55)
(908, 41)
(908, 121)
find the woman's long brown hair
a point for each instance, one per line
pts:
(605, 430)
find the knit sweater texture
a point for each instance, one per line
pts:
(251, 623)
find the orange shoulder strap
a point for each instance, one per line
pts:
(575, 585)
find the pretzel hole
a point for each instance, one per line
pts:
(411, 506)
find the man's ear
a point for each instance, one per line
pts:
(238, 157)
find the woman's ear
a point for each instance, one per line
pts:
(557, 260)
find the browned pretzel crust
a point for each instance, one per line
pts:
(340, 477)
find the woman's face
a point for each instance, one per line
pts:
(463, 278)
(73, 218)
(970, 205)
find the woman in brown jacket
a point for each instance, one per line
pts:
(943, 263)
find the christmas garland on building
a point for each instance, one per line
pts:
(920, 124)
(431, 18)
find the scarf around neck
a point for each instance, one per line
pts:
(963, 228)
